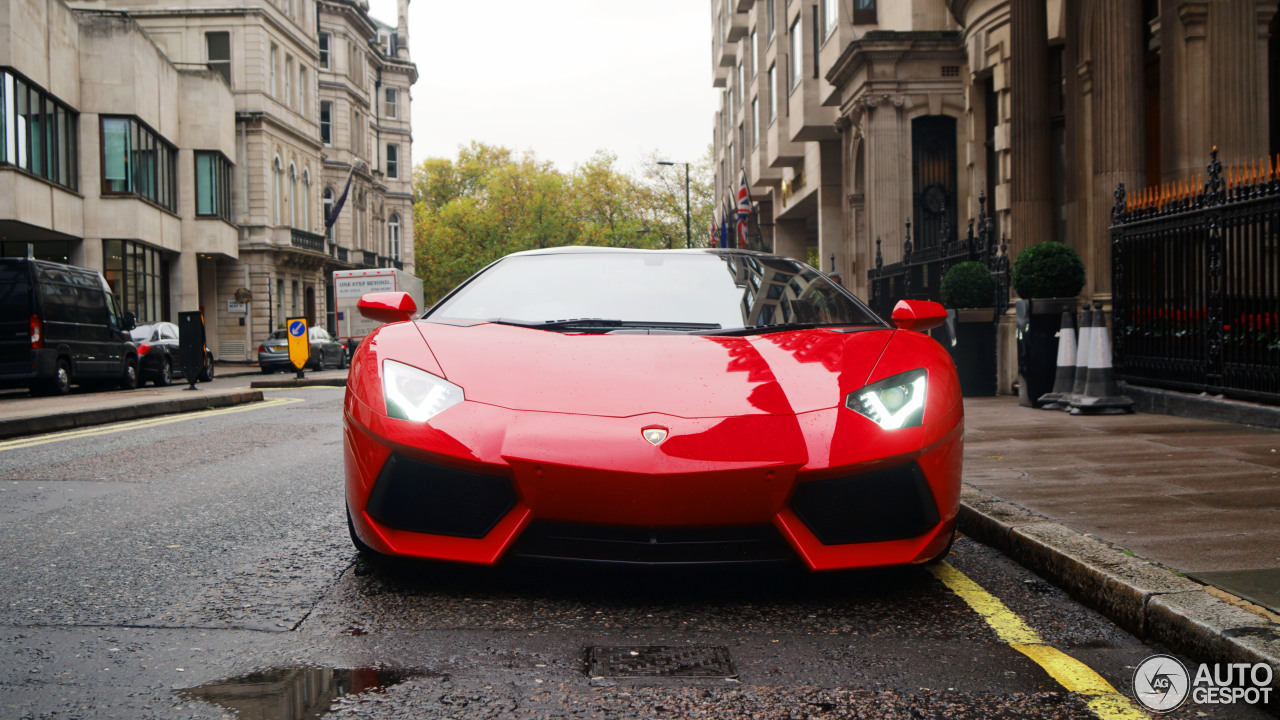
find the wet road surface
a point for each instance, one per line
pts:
(201, 567)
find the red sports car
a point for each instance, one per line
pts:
(656, 407)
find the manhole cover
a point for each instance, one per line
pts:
(660, 661)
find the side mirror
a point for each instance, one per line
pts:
(918, 315)
(130, 320)
(388, 306)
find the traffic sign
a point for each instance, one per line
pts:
(299, 345)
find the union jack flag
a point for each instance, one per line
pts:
(744, 211)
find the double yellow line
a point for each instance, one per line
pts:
(1103, 699)
(20, 443)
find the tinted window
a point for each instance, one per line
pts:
(142, 333)
(15, 287)
(733, 292)
(168, 332)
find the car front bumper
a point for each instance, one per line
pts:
(467, 486)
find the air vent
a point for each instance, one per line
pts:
(229, 350)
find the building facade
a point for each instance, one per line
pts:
(183, 154)
(852, 117)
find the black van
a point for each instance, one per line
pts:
(61, 325)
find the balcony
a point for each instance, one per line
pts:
(368, 258)
(304, 240)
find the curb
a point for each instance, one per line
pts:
(1146, 599)
(296, 383)
(19, 427)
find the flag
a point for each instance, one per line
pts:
(342, 199)
(744, 210)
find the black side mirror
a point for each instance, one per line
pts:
(130, 320)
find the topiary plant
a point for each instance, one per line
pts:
(968, 285)
(1048, 270)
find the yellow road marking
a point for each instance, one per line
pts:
(1103, 699)
(140, 424)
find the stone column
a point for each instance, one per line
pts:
(1032, 195)
(1119, 132)
(789, 239)
(1237, 110)
(889, 172)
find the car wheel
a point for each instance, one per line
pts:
(166, 373)
(129, 380)
(60, 383)
(207, 376)
(365, 551)
(342, 359)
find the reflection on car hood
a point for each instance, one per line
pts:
(626, 374)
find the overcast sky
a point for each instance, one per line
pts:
(561, 77)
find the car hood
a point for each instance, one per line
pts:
(622, 375)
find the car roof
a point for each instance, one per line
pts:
(591, 249)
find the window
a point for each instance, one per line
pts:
(276, 171)
(393, 236)
(388, 41)
(325, 39)
(755, 55)
(275, 53)
(288, 80)
(293, 298)
(742, 139)
(393, 161)
(742, 86)
(37, 132)
(773, 92)
(137, 161)
(864, 12)
(217, 47)
(770, 28)
(830, 16)
(797, 53)
(326, 122)
(302, 89)
(138, 277)
(293, 195)
(392, 101)
(755, 122)
(306, 199)
(326, 204)
(213, 185)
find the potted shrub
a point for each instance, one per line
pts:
(1047, 278)
(968, 292)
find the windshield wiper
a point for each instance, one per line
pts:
(780, 327)
(603, 323)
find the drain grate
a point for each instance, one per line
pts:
(660, 661)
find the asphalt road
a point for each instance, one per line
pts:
(201, 565)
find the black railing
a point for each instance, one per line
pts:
(1196, 283)
(368, 258)
(918, 276)
(307, 241)
(340, 253)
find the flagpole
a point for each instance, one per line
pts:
(752, 203)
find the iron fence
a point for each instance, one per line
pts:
(918, 276)
(1196, 283)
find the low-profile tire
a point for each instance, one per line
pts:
(945, 551)
(365, 551)
(129, 379)
(342, 359)
(166, 373)
(207, 375)
(59, 384)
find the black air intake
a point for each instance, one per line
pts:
(888, 504)
(419, 497)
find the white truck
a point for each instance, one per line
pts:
(350, 285)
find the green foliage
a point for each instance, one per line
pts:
(488, 203)
(968, 285)
(1047, 270)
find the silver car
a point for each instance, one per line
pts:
(273, 353)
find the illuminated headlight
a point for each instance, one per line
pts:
(414, 394)
(892, 403)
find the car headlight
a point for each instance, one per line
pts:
(893, 403)
(414, 394)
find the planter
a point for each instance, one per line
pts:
(970, 336)
(1038, 323)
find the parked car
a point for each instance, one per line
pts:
(60, 326)
(159, 356)
(643, 406)
(273, 353)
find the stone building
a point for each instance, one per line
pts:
(851, 117)
(185, 153)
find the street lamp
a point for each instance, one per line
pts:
(688, 219)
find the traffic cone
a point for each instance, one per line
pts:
(1101, 395)
(1082, 353)
(1064, 380)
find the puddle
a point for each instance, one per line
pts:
(294, 693)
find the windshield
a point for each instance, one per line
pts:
(715, 292)
(278, 335)
(142, 332)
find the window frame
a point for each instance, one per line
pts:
(324, 42)
(216, 65)
(795, 53)
(156, 184)
(393, 164)
(58, 161)
(391, 103)
(221, 169)
(326, 126)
